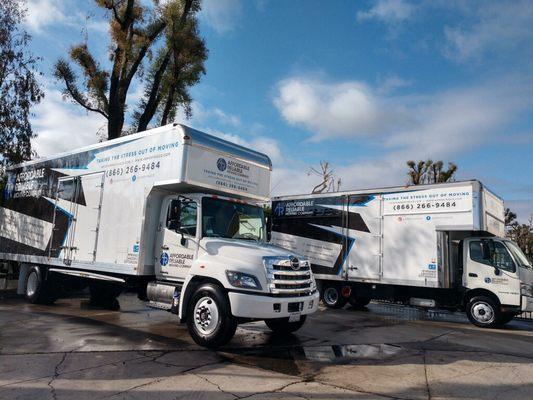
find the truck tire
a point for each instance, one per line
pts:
(104, 295)
(484, 312)
(38, 290)
(283, 326)
(209, 318)
(332, 297)
(358, 302)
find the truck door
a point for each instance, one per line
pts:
(178, 239)
(364, 229)
(498, 275)
(88, 212)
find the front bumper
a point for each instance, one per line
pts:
(245, 305)
(527, 303)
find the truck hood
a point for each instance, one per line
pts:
(241, 252)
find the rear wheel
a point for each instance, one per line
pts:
(483, 311)
(332, 297)
(358, 301)
(209, 318)
(104, 294)
(283, 326)
(38, 290)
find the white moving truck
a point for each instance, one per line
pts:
(432, 246)
(171, 212)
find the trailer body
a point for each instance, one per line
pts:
(403, 243)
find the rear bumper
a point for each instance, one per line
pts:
(263, 307)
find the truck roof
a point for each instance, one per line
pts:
(388, 189)
(197, 137)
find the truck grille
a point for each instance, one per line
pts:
(289, 276)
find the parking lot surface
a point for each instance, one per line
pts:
(70, 351)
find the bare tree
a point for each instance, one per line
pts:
(427, 172)
(138, 30)
(329, 183)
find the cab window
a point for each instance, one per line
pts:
(500, 256)
(182, 217)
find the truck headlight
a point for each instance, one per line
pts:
(242, 280)
(526, 289)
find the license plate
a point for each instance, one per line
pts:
(294, 317)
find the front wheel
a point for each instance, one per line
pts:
(332, 297)
(209, 318)
(283, 326)
(484, 312)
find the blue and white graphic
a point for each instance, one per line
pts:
(221, 164)
(164, 259)
(488, 280)
(279, 210)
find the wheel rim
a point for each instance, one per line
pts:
(483, 312)
(206, 315)
(331, 296)
(31, 285)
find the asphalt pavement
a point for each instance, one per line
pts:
(72, 351)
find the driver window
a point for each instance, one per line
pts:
(182, 216)
(500, 256)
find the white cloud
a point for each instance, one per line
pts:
(388, 11)
(221, 15)
(432, 124)
(344, 109)
(42, 13)
(61, 126)
(495, 27)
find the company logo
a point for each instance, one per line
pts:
(135, 248)
(279, 210)
(432, 266)
(428, 218)
(164, 259)
(133, 178)
(221, 164)
(295, 263)
(488, 280)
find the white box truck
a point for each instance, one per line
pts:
(172, 212)
(437, 245)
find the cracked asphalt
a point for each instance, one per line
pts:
(70, 351)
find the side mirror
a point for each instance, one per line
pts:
(183, 240)
(486, 251)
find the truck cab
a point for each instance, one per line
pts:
(497, 278)
(215, 269)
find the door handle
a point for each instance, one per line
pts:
(164, 247)
(471, 274)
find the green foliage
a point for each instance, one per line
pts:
(427, 172)
(167, 29)
(19, 89)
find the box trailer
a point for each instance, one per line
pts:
(436, 245)
(172, 212)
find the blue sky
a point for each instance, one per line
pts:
(365, 85)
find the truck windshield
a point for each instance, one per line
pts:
(228, 219)
(518, 254)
